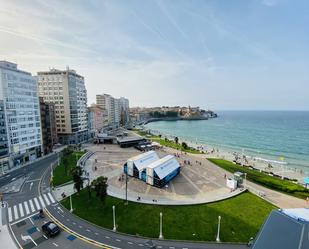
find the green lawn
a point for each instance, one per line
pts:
(242, 217)
(271, 182)
(167, 143)
(61, 173)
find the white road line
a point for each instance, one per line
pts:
(118, 240)
(51, 197)
(46, 199)
(10, 215)
(88, 230)
(107, 237)
(42, 202)
(129, 242)
(21, 210)
(37, 203)
(31, 221)
(142, 245)
(55, 244)
(15, 212)
(31, 206)
(45, 236)
(27, 207)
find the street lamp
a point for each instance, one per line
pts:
(126, 203)
(71, 206)
(161, 234)
(114, 220)
(218, 232)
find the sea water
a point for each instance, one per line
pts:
(272, 135)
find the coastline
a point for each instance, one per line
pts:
(277, 167)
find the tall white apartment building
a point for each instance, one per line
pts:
(20, 116)
(66, 89)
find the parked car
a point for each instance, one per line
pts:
(50, 229)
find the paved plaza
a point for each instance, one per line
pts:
(198, 182)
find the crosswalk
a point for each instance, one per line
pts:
(28, 207)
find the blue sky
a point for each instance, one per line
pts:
(217, 54)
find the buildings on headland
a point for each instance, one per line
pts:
(21, 134)
(147, 114)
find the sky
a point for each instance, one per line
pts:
(216, 54)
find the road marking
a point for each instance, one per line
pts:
(32, 222)
(41, 201)
(142, 245)
(118, 240)
(31, 184)
(31, 206)
(25, 238)
(80, 226)
(45, 236)
(37, 203)
(15, 212)
(33, 180)
(88, 230)
(26, 207)
(46, 199)
(51, 197)
(129, 242)
(55, 244)
(10, 215)
(21, 210)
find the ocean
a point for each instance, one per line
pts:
(272, 135)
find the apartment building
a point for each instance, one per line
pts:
(96, 114)
(66, 90)
(20, 122)
(116, 110)
(48, 125)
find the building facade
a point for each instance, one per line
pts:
(116, 110)
(48, 124)
(21, 114)
(124, 111)
(96, 114)
(66, 90)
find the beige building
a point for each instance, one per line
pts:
(96, 113)
(66, 89)
(111, 106)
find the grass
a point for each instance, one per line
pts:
(242, 217)
(167, 143)
(62, 174)
(263, 179)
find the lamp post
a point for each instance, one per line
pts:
(126, 203)
(161, 234)
(71, 206)
(245, 180)
(114, 220)
(218, 232)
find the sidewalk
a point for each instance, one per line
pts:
(6, 240)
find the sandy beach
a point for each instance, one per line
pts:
(276, 167)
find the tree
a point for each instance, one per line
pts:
(176, 140)
(100, 187)
(184, 145)
(77, 173)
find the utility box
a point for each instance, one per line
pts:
(231, 183)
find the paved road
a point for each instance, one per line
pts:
(76, 233)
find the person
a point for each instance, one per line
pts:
(41, 213)
(307, 199)
(63, 195)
